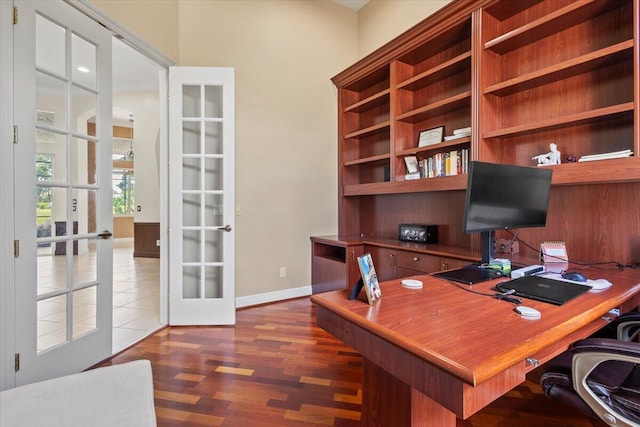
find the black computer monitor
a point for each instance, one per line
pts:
(504, 196)
(500, 197)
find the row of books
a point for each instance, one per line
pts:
(454, 162)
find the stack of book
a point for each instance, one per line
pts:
(459, 133)
(604, 156)
(454, 162)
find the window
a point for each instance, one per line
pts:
(123, 185)
(44, 173)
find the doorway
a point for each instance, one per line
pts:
(136, 194)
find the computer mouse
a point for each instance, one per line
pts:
(576, 277)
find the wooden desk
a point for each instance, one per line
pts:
(439, 353)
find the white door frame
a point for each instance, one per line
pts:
(7, 308)
(7, 276)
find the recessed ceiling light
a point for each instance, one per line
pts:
(83, 69)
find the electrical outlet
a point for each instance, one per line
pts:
(283, 271)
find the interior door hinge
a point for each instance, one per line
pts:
(15, 134)
(15, 15)
(16, 248)
(17, 362)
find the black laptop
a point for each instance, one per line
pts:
(544, 289)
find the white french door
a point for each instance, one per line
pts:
(62, 175)
(201, 196)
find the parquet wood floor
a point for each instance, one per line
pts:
(275, 367)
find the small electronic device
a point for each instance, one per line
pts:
(507, 246)
(528, 312)
(418, 233)
(527, 271)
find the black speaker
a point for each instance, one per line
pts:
(418, 233)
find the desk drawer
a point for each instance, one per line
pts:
(418, 261)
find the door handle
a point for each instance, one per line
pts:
(105, 234)
(226, 228)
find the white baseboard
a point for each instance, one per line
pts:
(273, 296)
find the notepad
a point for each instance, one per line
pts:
(553, 252)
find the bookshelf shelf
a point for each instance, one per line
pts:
(562, 121)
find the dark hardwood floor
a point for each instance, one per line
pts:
(275, 367)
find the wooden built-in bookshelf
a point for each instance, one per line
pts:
(522, 75)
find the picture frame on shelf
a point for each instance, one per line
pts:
(431, 136)
(412, 164)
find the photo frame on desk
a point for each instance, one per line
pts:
(368, 281)
(431, 136)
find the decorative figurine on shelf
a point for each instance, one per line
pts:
(551, 158)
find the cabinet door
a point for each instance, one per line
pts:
(384, 260)
(451, 263)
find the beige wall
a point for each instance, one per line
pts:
(379, 21)
(156, 21)
(284, 54)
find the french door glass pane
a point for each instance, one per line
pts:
(51, 272)
(50, 46)
(213, 282)
(191, 282)
(213, 246)
(213, 102)
(83, 66)
(191, 138)
(213, 138)
(52, 322)
(191, 210)
(81, 100)
(83, 158)
(84, 311)
(191, 246)
(191, 173)
(213, 174)
(213, 210)
(50, 103)
(190, 101)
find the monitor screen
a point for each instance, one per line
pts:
(506, 196)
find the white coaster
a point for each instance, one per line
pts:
(411, 283)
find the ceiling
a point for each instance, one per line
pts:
(352, 4)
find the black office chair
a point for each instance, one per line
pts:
(600, 376)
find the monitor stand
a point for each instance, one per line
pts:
(476, 273)
(470, 274)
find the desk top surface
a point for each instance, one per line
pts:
(474, 337)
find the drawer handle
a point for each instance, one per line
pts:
(415, 259)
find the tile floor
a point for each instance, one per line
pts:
(136, 295)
